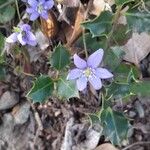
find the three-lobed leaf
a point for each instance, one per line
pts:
(42, 89)
(141, 88)
(101, 25)
(113, 57)
(138, 21)
(67, 89)
(115, 125)
(60, 57)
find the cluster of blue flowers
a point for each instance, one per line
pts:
(35, 9)
(85, 72)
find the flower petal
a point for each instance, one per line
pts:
(20, 39)
(95, 82)
(31, 39)
(25, 27)
(49, 4)
(34, 16)
(74, 74)
(44, 15)
(103, 73)
(12, 38)
(32, 3)
(30, 10)
(82, 83)
(80, 63)
(95, 59)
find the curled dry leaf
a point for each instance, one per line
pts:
(77, 30)
(49, 27)
(137, 48)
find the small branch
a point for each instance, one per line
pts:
(17, 7)
(137, 143)
(84, 43)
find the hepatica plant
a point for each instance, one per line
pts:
(68, 83)
(89, 71)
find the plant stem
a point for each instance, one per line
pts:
(115, 21)
(17, 7)
(7, 3)
(84, 43)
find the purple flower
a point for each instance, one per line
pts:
(39, 8)
(22, 34)
(89, 71)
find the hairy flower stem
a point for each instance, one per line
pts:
(17, 7)
(115, 21)
(84, 43)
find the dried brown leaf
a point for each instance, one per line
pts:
(137, 48)
(80, 17)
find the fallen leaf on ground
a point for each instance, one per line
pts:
(137, 48)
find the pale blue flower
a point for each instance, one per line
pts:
(89, 71)
(39, 8)
(23, 34)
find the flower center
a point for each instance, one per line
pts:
(16, 29)
(87, 72)
(40, 8)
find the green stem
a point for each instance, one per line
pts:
(17, 7)
(7, 3)
(115, 21)
(84, 43)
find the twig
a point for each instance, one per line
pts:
(17, 7)
(137, 143)
(37, 117)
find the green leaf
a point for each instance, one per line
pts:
(7, 14)
(141, 88)
(92, 44)
(115, 126)
(2, 73)
(42, 89)
(138, 21)
(113, 57)
(123, 70)
(67, 89)
(60, 57)
(119, 90)
(121, 35)
(1, 42)
(101, 25)
(94, 118)
(122, 2)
